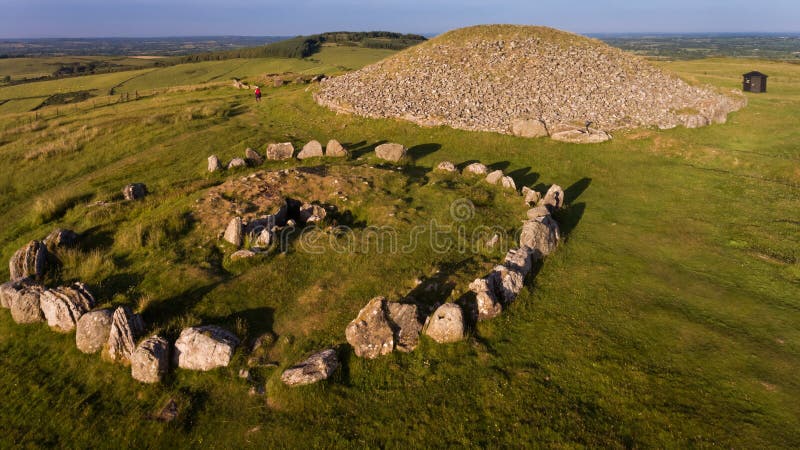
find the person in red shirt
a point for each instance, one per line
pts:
(258, 94)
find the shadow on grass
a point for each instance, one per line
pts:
(423, 150)
(362, 148)
(573, 192)
(162, 313)
(524, 176)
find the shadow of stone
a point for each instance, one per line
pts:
(576, 189)
(501, 165)
(569, 217)
(364, 149)
(524, 176)
(159, 314)
(463, 165)
(422, 150)
(95, 239)
(258, 320)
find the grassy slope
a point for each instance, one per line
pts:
(22, 98)
(668, 317)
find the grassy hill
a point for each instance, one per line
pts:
(667, 318)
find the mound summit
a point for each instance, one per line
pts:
(494, 77)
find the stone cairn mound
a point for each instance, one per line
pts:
(527, 81)
(119, 334)
(383, 326)
(279, 152)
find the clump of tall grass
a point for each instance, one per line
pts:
(62, 141)
(91, 267)
(52, 206)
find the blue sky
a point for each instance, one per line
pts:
(106, 18)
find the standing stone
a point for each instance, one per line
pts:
(530, 128)
(263, 239)
(204, 348)
(253, 157)
(391, 152)
(29, 261)
(93, 329)
(446, 166)
(319, 366)
(494, 177)
(369, 333)
(280, 151)
(214, 164)
(476, 169)
(487, 305)
(506, 283)
(404, 321)
(554, 198)
(12, 290)
(233, 233)
(134, 191)
(540, 235)
(60, 238)
(150, 360)
(335, 150)
(237, 162)
(126, 327)
(508, 183)
(311, 150)
(63, 306)
(519, 259)
(446, 324)
(537, 212)
(277, 82)
(530, 196)
(26, 307)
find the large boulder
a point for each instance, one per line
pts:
(529, 128)
(311, 150)
(311, 213)
(284, 150)
(581, 136)
(446, 324)
(204, 348)
(236, 163)
(26, 308)
(213, 164)
(316, 367)
(134, 191)
(487, 306)
(530, 196)
(446, 166)
(233, 233)
(540, 235)
(519, 259)
(335, 150)
(537, 212)
(370, 333)
(476, 169)
(126, 328)
(253, 157)
(404, 320)
(494, 177)
(29, 261)
(60, 238)
(150, 360)
(93, 329)
(506, 283)
(554, 198)
(10, 291)
(391, 152)
(63, 306)
(242, 254)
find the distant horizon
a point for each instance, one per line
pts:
(427, 35)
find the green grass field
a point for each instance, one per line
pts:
(667, 318)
